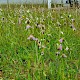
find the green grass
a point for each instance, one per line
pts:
(23, 59)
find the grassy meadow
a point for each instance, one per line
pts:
(39, 44)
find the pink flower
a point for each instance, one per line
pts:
(73, 27)
(39, 25)
(31, 37)
(28, 26)
(61, 40)
(60, 47)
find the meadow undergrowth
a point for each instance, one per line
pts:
(39, 44)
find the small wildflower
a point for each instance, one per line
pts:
(39, 25)
(1, 9)
(73, 20)
(58, 23)
(61, 40)
(28, 26)
(42, 31)
(52, 19)
(62, 17)
(59, 47)
(43, 46)
(12, 22)
(28, 11)
(39, 43)
(42, 39)
(49, 35)
(57, 53)
(31, 37)
(42, 53)
(65, 23)
(61, 32)
(67, 48)
(36, 39)
(37, 18)
(43, 27)
(69, 16)
(64, 56)
(73, 27)
(27, 20)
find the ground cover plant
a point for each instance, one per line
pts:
(39, 44)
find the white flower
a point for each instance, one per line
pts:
(72, 20)
(39, 25)
(42, 53)
(37, 18)
(1, 9)
(28, 11)
(57, 53)
(74, 29)
(67, 48)
(61, 32)
(58, 23)
(70, 16)
(62, 17)
(43, 46)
